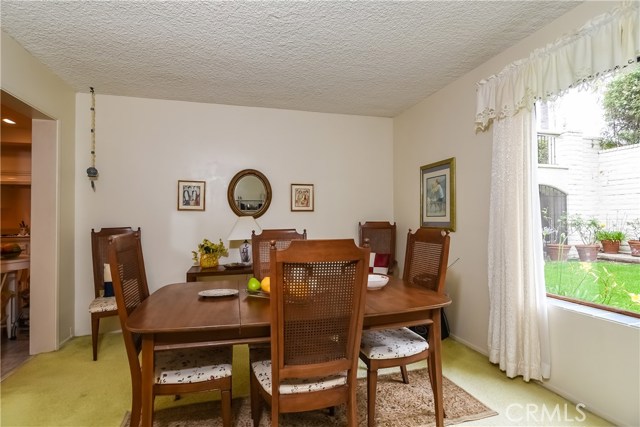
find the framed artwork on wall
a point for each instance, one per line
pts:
(302, 197)
(438, 195)
(191, 195)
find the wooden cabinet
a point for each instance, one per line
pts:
(199, 274)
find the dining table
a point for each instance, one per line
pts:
(177, 314)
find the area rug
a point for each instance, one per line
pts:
(398, 405)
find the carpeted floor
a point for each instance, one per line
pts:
(398, 405)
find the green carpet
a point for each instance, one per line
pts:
(64, 388)
(67, 389)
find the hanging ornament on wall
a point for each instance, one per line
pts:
(92, 172)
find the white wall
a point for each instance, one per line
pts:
(145, 146)
(442, 126)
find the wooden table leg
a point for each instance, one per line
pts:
(147, 379)
(435, 362)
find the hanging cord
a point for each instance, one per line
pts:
(92, 172)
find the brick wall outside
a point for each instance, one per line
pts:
(600, 183)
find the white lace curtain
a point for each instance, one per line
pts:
(518, 333)
(605, 44)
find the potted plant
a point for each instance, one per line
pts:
(610, 240)
(587, 229)
(209, 253)
(634, 244)
(554, 240)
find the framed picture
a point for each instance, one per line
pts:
(302, 197)
(438, 195)
(191, 195)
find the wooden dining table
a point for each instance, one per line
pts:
(175, 314)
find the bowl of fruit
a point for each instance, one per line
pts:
(259, 288)
(10, 250)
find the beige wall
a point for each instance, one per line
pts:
(442, 126)
(358, 164)
(52, 191)
(145, 146)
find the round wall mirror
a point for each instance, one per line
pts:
(249, 193)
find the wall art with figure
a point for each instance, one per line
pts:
(191, 195)
(437, 195)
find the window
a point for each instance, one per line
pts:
(589, 183)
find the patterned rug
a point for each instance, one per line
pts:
(398, 405)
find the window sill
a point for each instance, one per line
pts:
(619, 318)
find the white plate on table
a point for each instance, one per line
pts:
(218, 293)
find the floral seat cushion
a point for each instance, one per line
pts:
(262, 370)
(102, 304)
(391, 343)
(192, 365)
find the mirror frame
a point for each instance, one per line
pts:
(232, 188)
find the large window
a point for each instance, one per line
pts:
(589, 181)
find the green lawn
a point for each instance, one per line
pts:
(602, 282)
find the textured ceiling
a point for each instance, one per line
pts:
(373, 58)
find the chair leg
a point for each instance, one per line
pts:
(352, 408)
(405, 374)
(372, 382)
(95, 328)
(226, 407)
(256, 399)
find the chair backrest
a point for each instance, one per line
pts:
(130, 288)
(99, 243)
(426, 258)
(318, 292)
(260, 245)
(382, 240)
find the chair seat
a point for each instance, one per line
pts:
(102, 304)
(262, 370)
(192, 365)
(391, 343)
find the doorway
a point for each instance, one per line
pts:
(43, 239)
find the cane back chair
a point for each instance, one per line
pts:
(318, 290)
(425, 265)
(104, 302)
(177, 371)
(382, 241)
(260, 246)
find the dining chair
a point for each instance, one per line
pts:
(104, 302)
(318, 290)
(178, 370)
(382, 241)
(260, 245)
(425, 265)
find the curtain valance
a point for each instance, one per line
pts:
(606, 43)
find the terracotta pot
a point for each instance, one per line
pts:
(635, 247)
(208, 261)
(588, 253)
(610, 246)
(558, 252)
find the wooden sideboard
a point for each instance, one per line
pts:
(197, 273)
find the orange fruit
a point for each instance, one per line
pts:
(265, 285)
